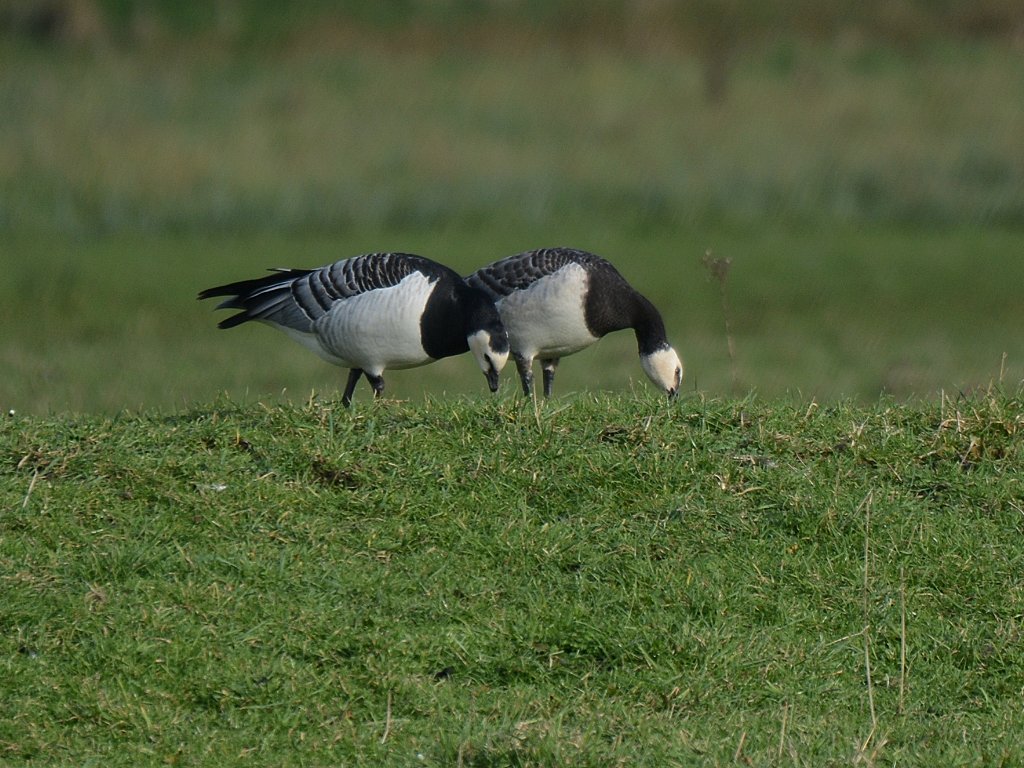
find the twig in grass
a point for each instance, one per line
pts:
(871, 694)
(387, 721)
(870, 758)
(31, 486)
(844, 638)
(866, 506)
(739, 748)
(903, 639)
(782, 730)
(718, 269)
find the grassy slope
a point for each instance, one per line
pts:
(470, 582)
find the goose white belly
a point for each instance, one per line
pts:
(547, 319)
(374, 330)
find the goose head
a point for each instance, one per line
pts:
(664, 368)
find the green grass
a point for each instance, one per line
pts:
(870, 201)
(340, 128)
(607, 580)
(205, 561)
(827, 312)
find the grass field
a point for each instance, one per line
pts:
(812, 558)
(112, 323)
(608, 581)
(341, 128)
(870, 201)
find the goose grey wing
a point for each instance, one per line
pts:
(515, 273)
(297, 298)
(361, 274)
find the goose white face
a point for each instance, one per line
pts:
(665, 369)
(490, 361)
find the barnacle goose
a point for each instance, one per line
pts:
(372, 312)
(556, 301)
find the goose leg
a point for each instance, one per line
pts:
(549, 366)
(350, 386)
(524, 365)
(377, 382)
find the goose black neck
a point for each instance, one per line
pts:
(648, 326)
(443, 320)
(612, 304)
(454, 312)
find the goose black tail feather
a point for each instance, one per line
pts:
(265, 298)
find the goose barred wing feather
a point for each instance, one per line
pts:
(350, 277)
(515, 273)
(297, 298)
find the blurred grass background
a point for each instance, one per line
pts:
(861, 165)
